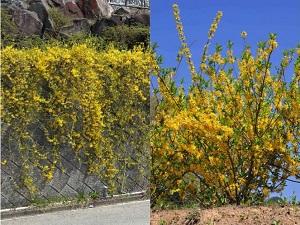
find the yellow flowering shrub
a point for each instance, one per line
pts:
(230, 138)
(94, 102)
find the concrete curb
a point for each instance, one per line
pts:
(33, 210)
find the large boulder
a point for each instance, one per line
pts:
(120, 15)
(101, 24)
(139, 18)
(56, 3)
(72, 9)
(95, 9)
(27, 22)
(79, 26)
(41, 8)
(18, 3)
(122, 12)
(68, 7)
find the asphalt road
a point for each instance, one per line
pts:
(132, 213)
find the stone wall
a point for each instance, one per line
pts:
(70, 178)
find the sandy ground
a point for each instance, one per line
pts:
(229, 215)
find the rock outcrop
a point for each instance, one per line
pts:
(72, 9)
(34, 16)
(139, 18)
(41, 8)
(94, 9)
(27, 22)
(101, 24)
(79, 26)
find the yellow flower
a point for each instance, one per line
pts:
(244, 34)
(75, 72)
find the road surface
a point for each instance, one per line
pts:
(131, 213)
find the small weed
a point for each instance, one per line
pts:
(293, 200)
(42, 202)
(94, 195)
(162, 222)
(81, 198)
(275, 201)
(282, 200)
(276, 222)
(211, 222)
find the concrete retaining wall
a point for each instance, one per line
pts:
(70, 179)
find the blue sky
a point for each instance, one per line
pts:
(257, 17)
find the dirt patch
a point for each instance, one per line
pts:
(229, 215)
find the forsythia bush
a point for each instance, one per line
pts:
(233, 137)
(95, 103)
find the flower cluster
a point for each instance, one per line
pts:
(234, 140)
(214, 26)
(185, 50)
(91, 102)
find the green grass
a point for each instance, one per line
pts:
(80, 198)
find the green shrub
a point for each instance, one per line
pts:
(58, 18)
(127, 36)
(7, 24)
(94, 195)
(9, 29)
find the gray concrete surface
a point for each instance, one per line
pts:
(131, 213)
(70, 179)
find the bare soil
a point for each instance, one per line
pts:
(229, 215)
